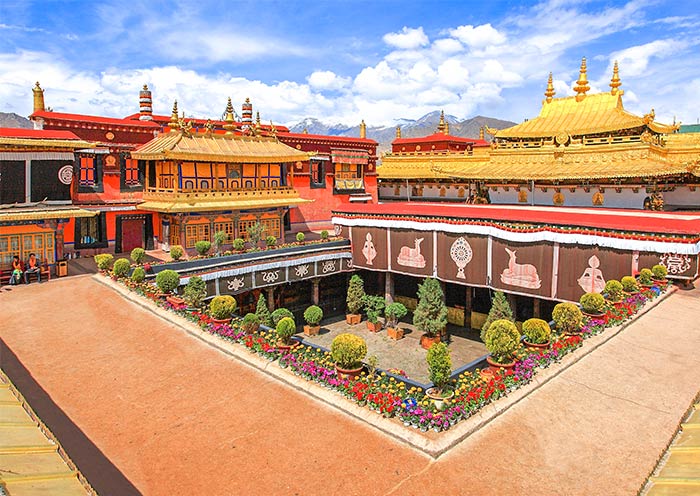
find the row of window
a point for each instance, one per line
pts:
(198, 232)
(39, 243)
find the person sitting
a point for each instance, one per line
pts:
(32, 267)
(16, 276)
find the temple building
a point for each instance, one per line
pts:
(581, 150)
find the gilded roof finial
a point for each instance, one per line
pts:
(38, 98)
(145, 87)
(549, 93)
(615, 82)
(441, 125)
(257, 122)
(481, 133)
(174, 120)
(398, 132)
(305, 131)
(363, 129)
(582, 83)
(229, 126)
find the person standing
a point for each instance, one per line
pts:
(32, 267)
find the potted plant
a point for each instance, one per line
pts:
(439, 370)
(239, 244)
(374, 305)
(430, 315)
(393, 313)
(567, 318)
(262, 311)
(348, 351)
(221, 308)
(285, 329)
(659, 273)
(138, 275)
(593, 305)
(300, 237)
(176, 252)
(502, 340)
(195, 291)
(220, 238)
(255, 233)
(313, 316)
(250, 323)
(279, 314)
(270, 241)
(324, 235)
(167, 280)
(104, 261)
(646, 278)
(202, 247)
(121, 268)
(500, 309)
(629, 284)
(537, 333)
(138, 255)
(354, 299)
(613, 292)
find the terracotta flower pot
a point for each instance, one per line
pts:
(497, 365)
(312, 330)
(539, 346)
(353, 318)
(175, 301)
(374, 326)
(351, 374)
(439, 399)
(427, 341)
(283, 347)
(221, 321)
(592, 315)
(394, 333)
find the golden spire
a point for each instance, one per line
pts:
(305, 131)
(363, 129)
(145, 87)
(38, 98)
(441, 125)
(615, 82)
(481, 133)
(398, 132)
(257, 121)
(582, 83)
(549, 93)
(174, 120)
(447, 127)
(229, 126)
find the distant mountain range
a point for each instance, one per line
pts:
(14, 120)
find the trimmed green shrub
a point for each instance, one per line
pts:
(167, 280)
(536, 331)
(313, 315)
(255, 233)
(439, 365)
(222, 307)
(348, 351)
(195, 291)
(176, 252)
(629, 284)
(430, 315)
(592, 302)
(121, 267)
(374, 305)
(202, 247)
(660, 272)
(645, 277)
(263, 312)
(567, 317)
(502, 339)
(238, 244)
(356, 291)
(279, 314)
(137, 255)
(104, 261)
(500, 309)
(613, 290)
(250, 322)
(270, 241)
(301, 237)
(324, 235)
(285, 328)
(220, 238)
(393, 313)
(138, 275)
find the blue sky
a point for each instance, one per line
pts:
(341, 61)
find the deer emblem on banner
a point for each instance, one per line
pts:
(412, 257)
(523, 275)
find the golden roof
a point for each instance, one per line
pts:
(177, 205)
(46, 143)
(596, 113)
(217, 148)
(18, 213)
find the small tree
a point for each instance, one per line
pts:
(301, 237)
(137, 255)
(222, 307)
(500, 309)
(348, 351)
(502, 339)
(279, 314)
(238, 244)
(176, 252)
(285, 328)
(430, 315)
(645, 277)
(536, 331)
(324, 235)
(313, 315)
(202, 247)
(356, 291)
(263, 312)
(270, 241)
(167, 280)
(104, 261)
(138, 275)
(567, 317)
(121, 267)
(374, 305)
(439, 366)
(195, 291)
(393, 313)
(255, 233)
(660, 272)
(220, 238)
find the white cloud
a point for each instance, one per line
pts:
(479, 36)
(407, 38)
(635, 60)
(327, 80)
(447, 45)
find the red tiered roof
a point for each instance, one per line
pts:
(92, 119)
(440, 138)
(325, 137)
(8, 132)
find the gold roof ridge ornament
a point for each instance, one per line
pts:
(615, 82)
(549, 92)
(273, 130)
(481, 133)
(441, 125)
(398, 132)
(209, 127)
(582, 84)
(363, 129)
(230, 127)
(174, 120)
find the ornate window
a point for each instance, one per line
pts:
(318, 176)
(226, 227)
(196, 232)
(91, 232)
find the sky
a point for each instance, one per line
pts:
(341, 61)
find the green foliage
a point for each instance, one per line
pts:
(536, 331)
(324, 235)
(502, 339)
(301, 237)
(222, 307)
(270, 241)
(176, 252)
(285, 328)
(167, 280)
(202, 247)
(645, 277)
(613, 290)
(374, 305)
(313, 315)
(348, 350)
(567, 317)
(263, 312)
(629, 284)
(439, 365)
(500, 309)
(219, 239)
(121, 267)
(255, 232)
(430, 315)
(238, 244)
(195, 291)
(138, 275)
(592, 302)
(104, 261)
(250, 318)
(356, 291)
(393, 313)
(660, 272)
(279, 314)
(137, 255)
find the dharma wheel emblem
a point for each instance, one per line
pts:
(65, 174)
(562, 138)
(461, 254)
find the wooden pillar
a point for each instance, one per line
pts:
(389, 287)
(270, 298)
(536, 308)
(181, 222)
(468, 308)
(513, 304)
(315, 297)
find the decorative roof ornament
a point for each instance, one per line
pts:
(490, 130)
(363, 129)
(209, 127)
(649, 118)
(273, 130)
(230, 127)
(174, 120)
(145, 104)
(258, 127)
(38, 98)
(615, 82)
(398, 132)
(305, 130)
(549, 92)
(582, 84)
(185, 127)
(481, 133)
(441, 125)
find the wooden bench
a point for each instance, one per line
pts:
(45, 269)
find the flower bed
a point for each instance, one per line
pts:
(387, 394)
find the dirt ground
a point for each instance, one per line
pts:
(142, 407)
